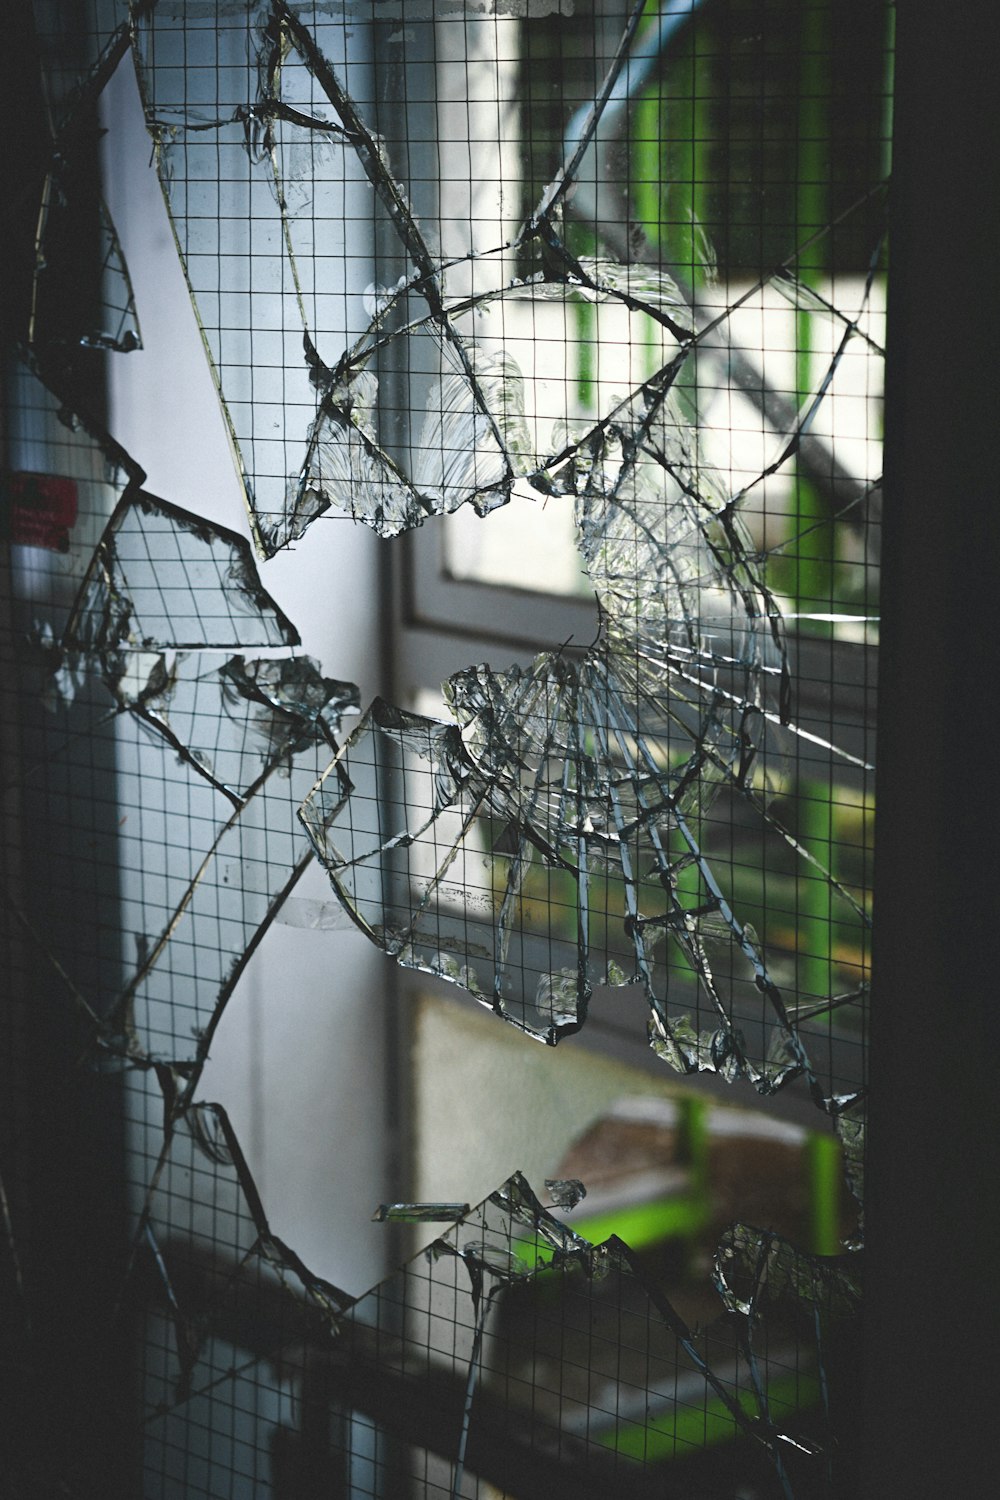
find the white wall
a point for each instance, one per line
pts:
(299, 1060)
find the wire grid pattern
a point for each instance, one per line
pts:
(411, 306)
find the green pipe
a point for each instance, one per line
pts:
(824, 1166)
(815, 559)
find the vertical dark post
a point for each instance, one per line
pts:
(69, 1421)
(933, 1183)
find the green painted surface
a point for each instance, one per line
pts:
(660, 1437)
(824, 1193)
(647, 1223)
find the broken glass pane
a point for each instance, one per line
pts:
(599, 1377)
(400, 326)
(194, 918)
(690, 631)
(508, 1348)
(246, 169)
(234, 743)
(261, 1297)
(808, 1303)
(555, 796)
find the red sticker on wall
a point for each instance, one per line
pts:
(41, 508)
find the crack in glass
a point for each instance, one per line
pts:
(545, 840)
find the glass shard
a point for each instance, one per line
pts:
(163, 577)
(420, 1213)
(565, 1192)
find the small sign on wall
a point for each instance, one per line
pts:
(40, 509)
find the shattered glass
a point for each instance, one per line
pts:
(510, 1349)
(660, 813)
(272, 725)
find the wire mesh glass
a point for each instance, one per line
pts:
(596, 293)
